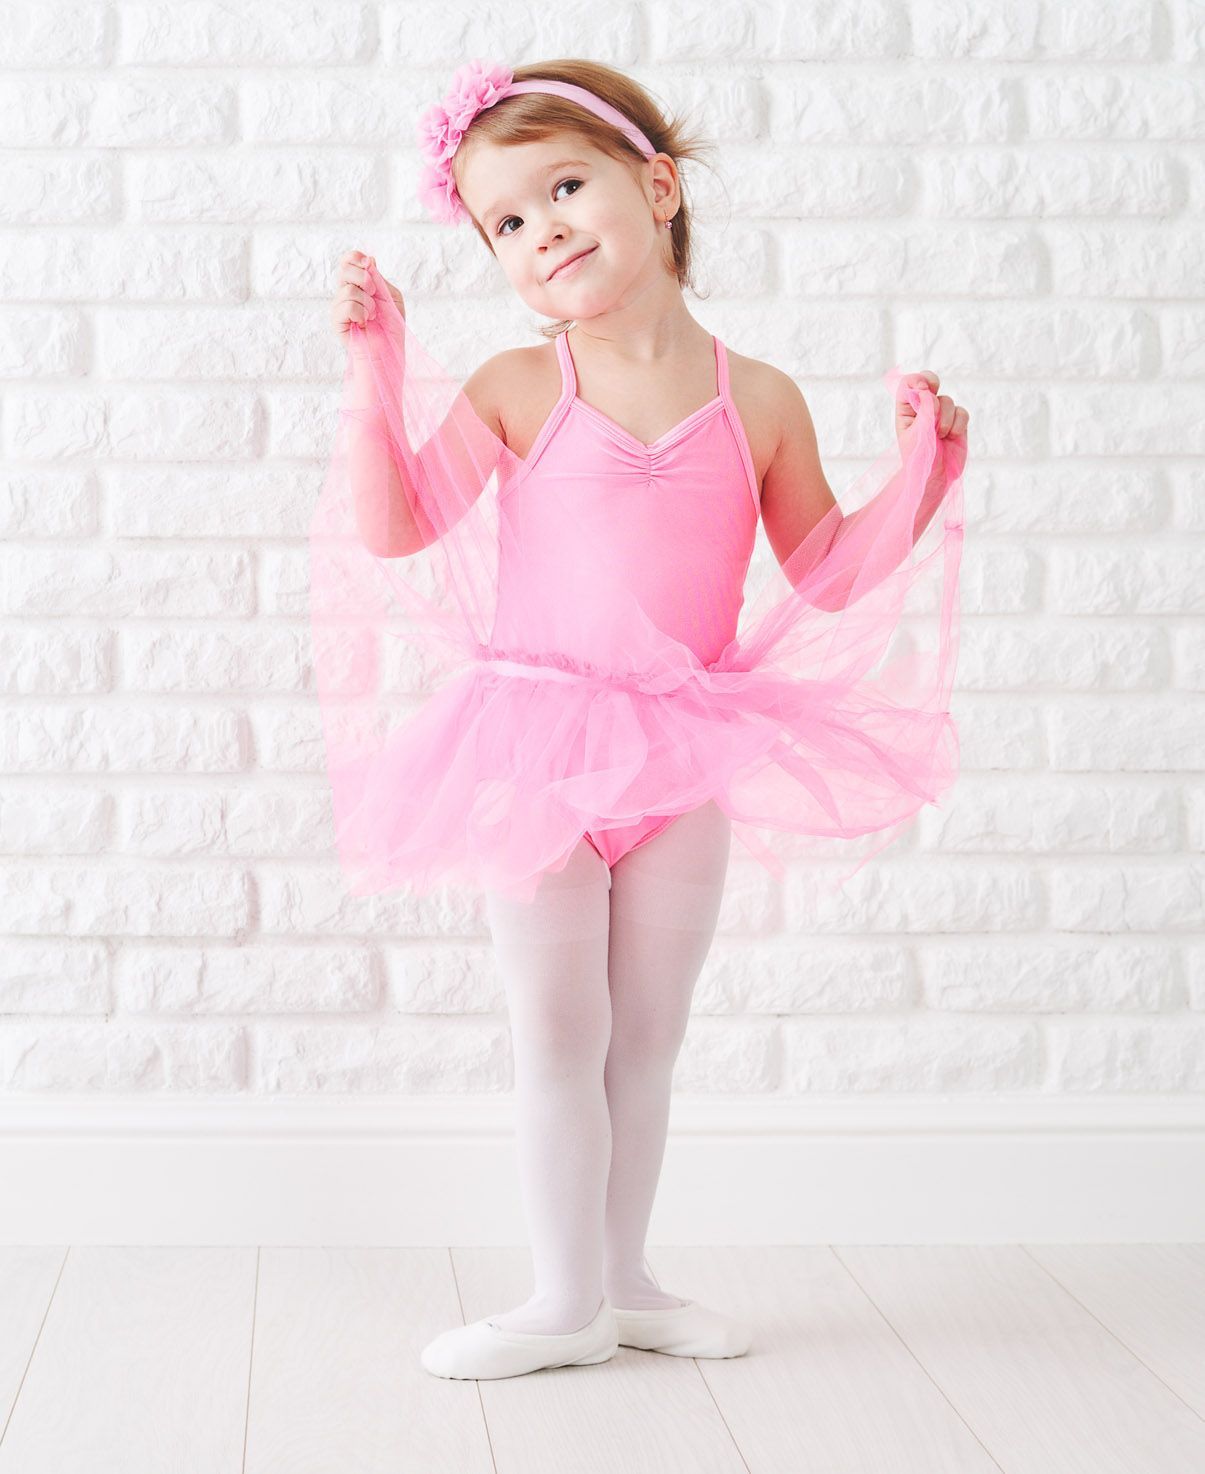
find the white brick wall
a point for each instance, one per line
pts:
(1010, 195)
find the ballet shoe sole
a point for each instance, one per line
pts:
(550, 1366)
(594, 1359)
(639, 1320)
(688, 1355)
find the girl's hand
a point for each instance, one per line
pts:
(951, 418)
(354, 300)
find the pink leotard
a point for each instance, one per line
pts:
(642, 514)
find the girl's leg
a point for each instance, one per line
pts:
(665, 902)
(552, 955)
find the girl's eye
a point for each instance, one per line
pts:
(503, 223)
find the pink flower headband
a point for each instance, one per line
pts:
(476, 86)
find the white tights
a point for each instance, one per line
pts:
(598, 971)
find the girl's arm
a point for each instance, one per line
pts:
(819, 547)
(416, 449)
(382, 504)
(394, 487)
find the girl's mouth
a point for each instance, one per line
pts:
(571, 266)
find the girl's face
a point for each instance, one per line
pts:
(540, 204)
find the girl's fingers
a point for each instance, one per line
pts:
(922, 380)
(354, 268)
(353, 306)
(957, 423)
(356, 289)
(349, 292)
(950, 418)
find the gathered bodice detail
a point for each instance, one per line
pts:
(603, 526)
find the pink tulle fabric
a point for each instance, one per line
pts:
(495, 679)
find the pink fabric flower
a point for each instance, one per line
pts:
(476, 85)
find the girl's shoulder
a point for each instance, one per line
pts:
(490, 387)
(509, 389)
(763, 380)
(763, 398)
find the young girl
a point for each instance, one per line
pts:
(539, 674)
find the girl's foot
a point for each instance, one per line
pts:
(481, 1352)
(645, 1299)
(690, 1330)
(541, 1316)
(638, 1292)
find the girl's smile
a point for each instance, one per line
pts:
(569, 267)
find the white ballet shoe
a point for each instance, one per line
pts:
(482, 1352)
(684, 1330)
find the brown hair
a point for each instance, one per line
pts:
(530, 116)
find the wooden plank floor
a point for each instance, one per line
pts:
(1022, 1359)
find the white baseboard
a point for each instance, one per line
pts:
(442, 1171)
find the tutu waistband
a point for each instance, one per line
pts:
(561, 668)
(533, 670)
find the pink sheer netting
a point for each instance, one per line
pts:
(478, 720)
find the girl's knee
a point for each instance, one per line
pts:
(557, 1043)
(651, 1043)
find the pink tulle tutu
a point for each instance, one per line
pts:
(585, 637)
